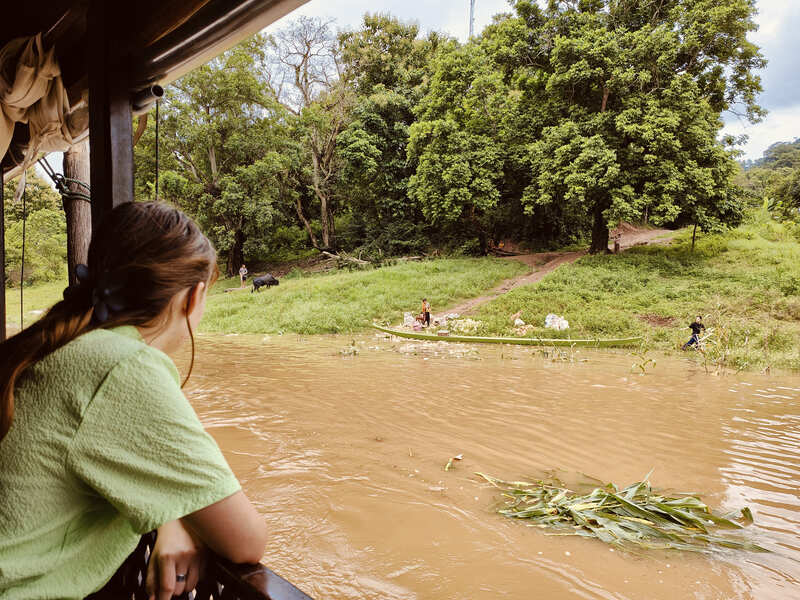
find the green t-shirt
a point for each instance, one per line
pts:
(103, 448)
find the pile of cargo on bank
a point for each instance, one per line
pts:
(453, 327)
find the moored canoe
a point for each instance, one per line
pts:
(522, 341)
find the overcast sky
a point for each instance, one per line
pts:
(778, 36)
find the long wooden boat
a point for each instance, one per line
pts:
(522, 341)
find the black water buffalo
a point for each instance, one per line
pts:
(263, 281)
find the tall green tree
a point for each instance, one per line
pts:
(637, 89)
(588, 112)
(387, 63)
(223, 136)
(306, 77)
(457, 141)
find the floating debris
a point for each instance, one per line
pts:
(351, 350)
(439, 349)
(634, 516)
(449, 464)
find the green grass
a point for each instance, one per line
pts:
(37, 297)
(746, 283)
(344, 302)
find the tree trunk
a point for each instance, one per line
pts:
(694, 233)
(483, 242)
(599, 232)
(301, 215)
(326, 210)
(78, 212)
(236, 253)
(328, 227)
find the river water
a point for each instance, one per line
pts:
(344, 452)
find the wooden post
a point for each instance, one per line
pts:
(77, 211)
(2, 262)
(110, 119)
(694, 233)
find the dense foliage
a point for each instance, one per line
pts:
(546, 129)
(45, 232)
(774, 179)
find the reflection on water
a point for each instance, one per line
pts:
(344, 456)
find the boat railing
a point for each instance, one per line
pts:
(221, 580)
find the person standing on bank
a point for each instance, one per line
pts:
(242, 274)
(426, 312)
(696, 327)
(98, 444)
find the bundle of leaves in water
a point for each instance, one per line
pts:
(634, 516)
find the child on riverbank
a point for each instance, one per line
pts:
(426, 312)
(696, 327)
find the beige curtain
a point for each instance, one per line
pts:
(31, 92)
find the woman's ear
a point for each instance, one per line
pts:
(194, 297)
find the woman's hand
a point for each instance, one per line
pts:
(176, 563)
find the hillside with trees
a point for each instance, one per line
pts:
(774, 179)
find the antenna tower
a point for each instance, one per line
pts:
(471, 18)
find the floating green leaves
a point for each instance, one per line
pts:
(634, 516)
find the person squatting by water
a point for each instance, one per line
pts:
(98, 444)
(426, 312)
(242, 274)
(696, 327)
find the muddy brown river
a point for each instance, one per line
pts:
(344, 455)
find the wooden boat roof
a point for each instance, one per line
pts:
(159, 40)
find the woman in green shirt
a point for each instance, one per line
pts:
(98, 444)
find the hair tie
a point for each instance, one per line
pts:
(82, 276)
(106, 296)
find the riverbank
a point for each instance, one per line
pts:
(315, 302)
(744, 282)
(349, 301)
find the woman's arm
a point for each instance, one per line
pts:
(176, 553)
(232, 528)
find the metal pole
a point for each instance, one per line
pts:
(157, 144)
(22, 265)
(471, 18)
(2, 262)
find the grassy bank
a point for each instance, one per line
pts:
(334, 302)
(36, 298)
(745, 282)
(343, 302)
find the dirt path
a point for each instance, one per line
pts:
(543, 263)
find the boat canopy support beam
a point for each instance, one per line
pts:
(110, 116)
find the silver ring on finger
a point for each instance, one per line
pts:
(180, 577)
